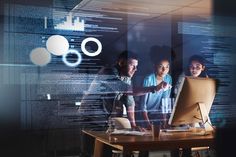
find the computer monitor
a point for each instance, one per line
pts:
(193, 102)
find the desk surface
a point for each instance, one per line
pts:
(166, 141)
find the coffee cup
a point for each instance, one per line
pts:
(156, 130)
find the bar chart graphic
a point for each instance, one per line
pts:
(71, 23)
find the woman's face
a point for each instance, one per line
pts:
(163, 68)
(196, 68)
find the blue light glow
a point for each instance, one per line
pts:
(72, 51)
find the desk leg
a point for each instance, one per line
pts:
(98, 149)
(126, 153)
(187, 152)
(175, 153)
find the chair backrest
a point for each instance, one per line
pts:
(121, 123)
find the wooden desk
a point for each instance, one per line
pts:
(166, 141)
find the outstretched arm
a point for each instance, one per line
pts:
(131, 116)
(146, 118)
(138, 91)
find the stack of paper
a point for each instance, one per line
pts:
(127, 132)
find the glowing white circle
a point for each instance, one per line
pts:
(72, 51)
(57, 45)
(84, 42)
(40, 56)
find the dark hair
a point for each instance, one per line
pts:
(197, 58)
(202, 61)
(159, 53)
(127, 55)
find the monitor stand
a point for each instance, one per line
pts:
(205, 117)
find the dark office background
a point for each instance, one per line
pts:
(28, 120)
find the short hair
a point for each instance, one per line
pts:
(197, 58)
(127, 55)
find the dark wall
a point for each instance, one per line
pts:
(224, 8)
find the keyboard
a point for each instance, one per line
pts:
(175, 130)
(127, 132)
(199, 133)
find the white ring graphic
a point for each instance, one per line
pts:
(84, 42)
(72, 51)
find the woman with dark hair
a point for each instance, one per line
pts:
(197, 66)
(151, 102)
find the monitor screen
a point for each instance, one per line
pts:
(193, 101)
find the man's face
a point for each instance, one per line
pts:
(128, 68)
(132, 67)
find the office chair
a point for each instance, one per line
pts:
(195, 151)
(121, 123)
